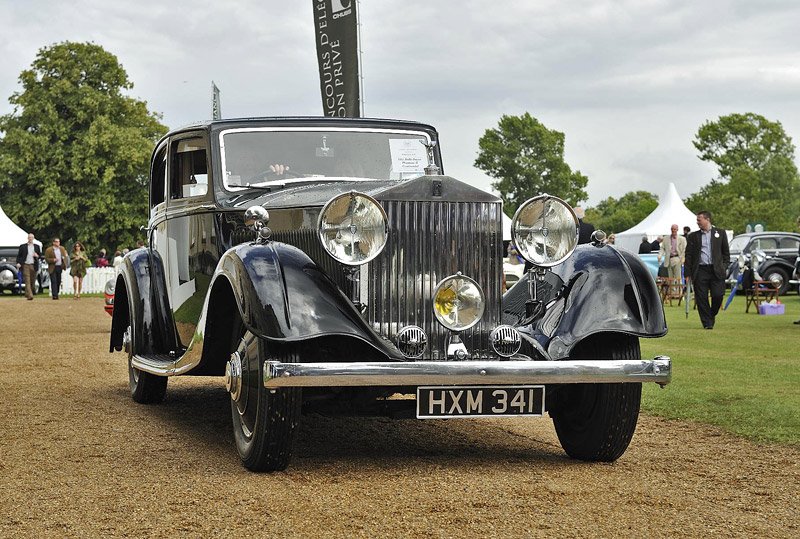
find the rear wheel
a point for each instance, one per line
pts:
(595, 422)
(780, 278)
(264, 421)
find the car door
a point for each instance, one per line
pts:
(768, 244)
(188, 249)
(788, 248)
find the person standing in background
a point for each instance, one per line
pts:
(686, 231)
(656, 244)
(673, 253)
(707, 259)
(101, 261)
(585, 229)
(28, 261)
(117, 259)
(57, 262)
(77, 267)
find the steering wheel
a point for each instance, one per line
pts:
(270, 174)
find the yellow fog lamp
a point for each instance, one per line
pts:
(458, 302)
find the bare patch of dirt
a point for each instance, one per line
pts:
(79, 458)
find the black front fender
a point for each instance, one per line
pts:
(282, 295)
(605, 290)
(772, 263)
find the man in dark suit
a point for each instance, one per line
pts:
(586, 229)
(28, 261)
(57, 262)
(707, 259)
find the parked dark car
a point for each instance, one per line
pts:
(776, 264)
(322, 264)
(10, 277)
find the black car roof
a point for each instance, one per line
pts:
(299, 121)
(767, 233)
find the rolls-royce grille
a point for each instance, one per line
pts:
(427, 242)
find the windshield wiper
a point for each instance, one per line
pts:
(259, 187)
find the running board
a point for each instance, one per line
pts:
(161, 364)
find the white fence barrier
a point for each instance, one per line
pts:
(94, 282)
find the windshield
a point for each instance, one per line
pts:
(270, 157)
(739, 243)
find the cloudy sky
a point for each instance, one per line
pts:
(628, 82)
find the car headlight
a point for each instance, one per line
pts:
(545, 230)
(458, 302)
(353, 228)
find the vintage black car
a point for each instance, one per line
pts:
(10, 278)
(326, 265)
(774, 252)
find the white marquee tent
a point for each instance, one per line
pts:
(670, 210)
(10, 234)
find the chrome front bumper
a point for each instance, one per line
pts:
(419, 373)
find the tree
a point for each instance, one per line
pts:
(75, 151)
(527, 159)
(742, 140)
(770, 195)
(758, 179)
(612, 215)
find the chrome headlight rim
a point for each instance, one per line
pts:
(323, 239)
(520, 246)
(481, 302)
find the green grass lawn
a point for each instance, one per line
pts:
(742, 376)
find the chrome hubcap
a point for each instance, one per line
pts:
(233, 376)
(126, 340)
(776, 279)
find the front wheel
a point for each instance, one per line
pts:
(595, 422)
(264, 420)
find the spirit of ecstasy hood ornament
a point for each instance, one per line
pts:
(431, 169)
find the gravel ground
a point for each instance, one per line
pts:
(78, 458)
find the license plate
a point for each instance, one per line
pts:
(479, 401)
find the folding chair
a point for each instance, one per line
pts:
(760, 292)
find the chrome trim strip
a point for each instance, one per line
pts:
(164, 368)
(277, 374)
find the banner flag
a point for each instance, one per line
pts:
(336, 31)
(216, 112)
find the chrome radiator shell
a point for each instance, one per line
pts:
(428, 241)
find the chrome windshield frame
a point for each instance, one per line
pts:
(308, 129)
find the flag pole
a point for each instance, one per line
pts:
(216, 111)
(360, 52)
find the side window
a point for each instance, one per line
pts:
(790, 244)
(158, 177)
(765, 244)
(189, 168)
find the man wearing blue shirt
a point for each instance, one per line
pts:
(707, 259)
